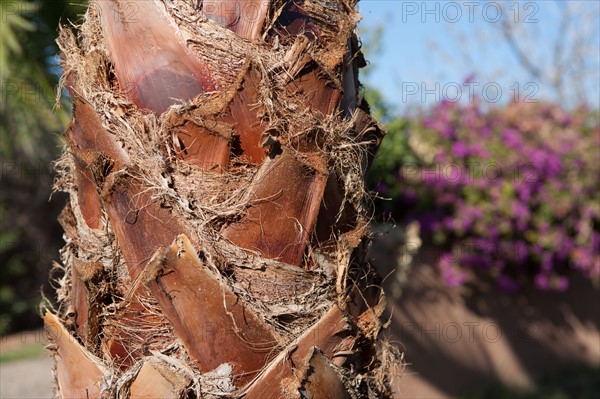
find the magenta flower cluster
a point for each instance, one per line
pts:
(511, 194)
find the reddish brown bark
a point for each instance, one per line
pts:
(79, 375)
(244, 113)
(320, 380)
(332, 334)
(210, 320)
(246, 18)
(202, 147)
(237, 266)
(155, 380)
(150, 59)
(279, 220)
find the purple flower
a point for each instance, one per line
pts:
(595, 271)
(544, 227)
(449, 224)
(519, 210)
(512, 138)
(554, 165)
(507, 284)
(382, 188)
(479, 151)
(427, 222)
(493, 232)
(547, 264)
(538, 158)
(460, 149)
(441, 157)
(451, 273)
(589, 212)
(528, 206)
(561, 283)
(520, 252)
(447, 132)
(564, 248)
(430, 177)
(523, 191)
(582, 258)
(595, 241)
(410, 196)
(542, 282)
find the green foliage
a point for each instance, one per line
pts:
(371, 39)
(13, 22)
(29, 141)
(379, 107)
(392, 155)
(28, 74)
(21, 277)
(10, 269)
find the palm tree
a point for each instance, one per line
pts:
(216, 222)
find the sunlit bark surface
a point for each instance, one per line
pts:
(215, 234)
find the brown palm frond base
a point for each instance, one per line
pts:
(215, 234)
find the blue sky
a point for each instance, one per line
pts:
(432, 46)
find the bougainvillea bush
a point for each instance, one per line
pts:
(510, 194)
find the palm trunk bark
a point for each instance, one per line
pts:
(215, 233)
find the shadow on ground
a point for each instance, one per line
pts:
(458, 341)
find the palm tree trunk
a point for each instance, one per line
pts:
(215, 234)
